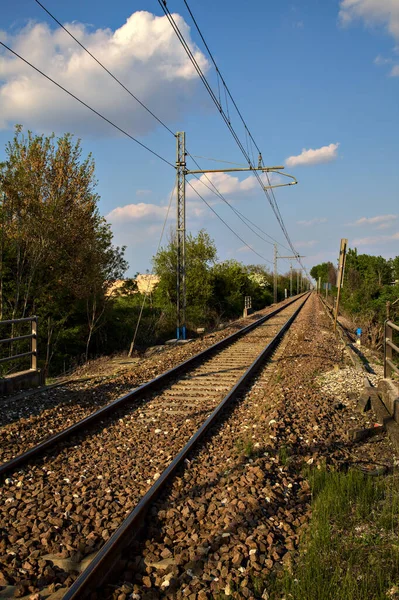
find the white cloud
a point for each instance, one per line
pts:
(227, 185)
(137, 212)
(375, 240)
(381, 60)
(372, 12)
(313, 157)
(381, 221)
(144, 54)
(314, 221)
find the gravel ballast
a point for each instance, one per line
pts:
(234, 516)
(58, 511)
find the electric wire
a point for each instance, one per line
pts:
(151, 274)
(241, 216)
(226, 118)
(219, 195)
(87, 105)
(251, 139)
(238, 213)
(235, 210)
(105, 68)
(227, 225)
(147, 109)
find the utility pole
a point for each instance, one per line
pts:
(181, 173)
(276, 257)
(291, 280)
(275, 275)
(319, 286)
(181, 234)
(340, 276)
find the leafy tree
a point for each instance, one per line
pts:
(326, 271)
(368, 286)
(56, 250)
(200, 256)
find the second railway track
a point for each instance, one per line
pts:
(64, 506)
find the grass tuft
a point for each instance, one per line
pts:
(245, 447)
(351, 548)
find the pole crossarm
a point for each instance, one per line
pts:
(276, 185)
(268, 169)
(276, 170)
(292, 257)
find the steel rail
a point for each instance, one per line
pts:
(134, 394)
(100, 569)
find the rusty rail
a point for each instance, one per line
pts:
(103, 564)
(31, 336)
(389, 346)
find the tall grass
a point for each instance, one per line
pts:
(351, 548)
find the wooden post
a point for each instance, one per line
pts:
(33, 362)
(340, 276)
(387, 349)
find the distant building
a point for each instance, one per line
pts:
(147, 282)
(144, 284)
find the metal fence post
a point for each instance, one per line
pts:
(33, 362)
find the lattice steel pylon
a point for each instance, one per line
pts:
(181, 234)
(181, 172)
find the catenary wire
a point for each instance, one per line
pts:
(238, 213)
(227, 225)
(226, 118)
(87, 105)
(105, 68)
(251, 139)
(151, 112)
(151, 274)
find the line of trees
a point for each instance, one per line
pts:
(370, 282)
(215, 293)
(56, 253)
(58, 261)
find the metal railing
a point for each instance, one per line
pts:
(31, 336)
(389, 346)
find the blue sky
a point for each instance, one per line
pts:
(318, 75)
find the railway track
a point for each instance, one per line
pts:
(28, 419)
(85, 480)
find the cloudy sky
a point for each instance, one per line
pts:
(316, 81)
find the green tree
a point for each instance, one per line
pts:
(56, 250)
(326, 271)
(200, 256)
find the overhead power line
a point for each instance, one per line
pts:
(87, 105)
(227, 225)
(149, 111)
(237, 212)
(226, 116)
(105, 68)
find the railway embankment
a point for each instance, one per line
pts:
(236, 518)
(232, 520)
